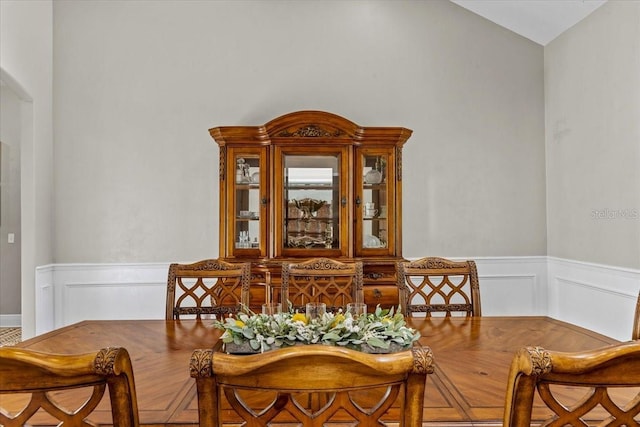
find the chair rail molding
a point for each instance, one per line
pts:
(567, 290)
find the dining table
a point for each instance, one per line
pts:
(472, 357)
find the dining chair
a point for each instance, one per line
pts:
(207, 287)
(361, 387)
(635, 333)
(322, 280)
(602, 375)
(430, 285)
(36, 375)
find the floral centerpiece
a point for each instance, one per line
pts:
(382, 331)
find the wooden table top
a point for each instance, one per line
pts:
(472, 357)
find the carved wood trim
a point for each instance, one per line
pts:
(105, 360)
(399, 163)
(310, 131)
(423, 362)
(434, 308)
(223, 162)
(321, 264)
(436, 263)
(200, 363)
(540, 360)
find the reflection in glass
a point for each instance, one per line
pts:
(309, 207)
(374, 201)
(311, 192)
(247, 202)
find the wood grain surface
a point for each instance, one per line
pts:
(472, 358)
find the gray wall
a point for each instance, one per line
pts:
(592, 91)
(10, 137)
(139, 83)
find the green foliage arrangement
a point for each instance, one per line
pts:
(379, 332)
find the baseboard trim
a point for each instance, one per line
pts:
(10, 321)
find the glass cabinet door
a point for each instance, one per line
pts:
(248, 204)
(313, 198)
(375, 202)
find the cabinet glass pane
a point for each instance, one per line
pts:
(312, 194)
(247, 202)
(374, 201)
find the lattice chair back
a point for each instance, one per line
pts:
(595, 387)
(208, 287)
(324, 280)
(273, 388)
(438, 285)
(38, 388)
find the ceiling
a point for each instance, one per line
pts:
(537, 20)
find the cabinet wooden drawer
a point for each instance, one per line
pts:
(378, 276)
(384, 294)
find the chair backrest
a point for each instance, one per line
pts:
(36, 374)
(635, 333)
(357, 388)
(434, 284)
(324, 280)
(211, 286)
(596, 379)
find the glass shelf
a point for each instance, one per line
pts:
(247, 201)
(374, 200)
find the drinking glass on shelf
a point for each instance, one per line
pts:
(315, 310)
(356, 309)
(243, 240)
(370, 210)
(272, 308)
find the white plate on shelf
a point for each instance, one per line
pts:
(372, 242)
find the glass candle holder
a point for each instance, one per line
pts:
(356, 309)
(315, 310)
(272, 308)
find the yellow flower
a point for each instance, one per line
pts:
(339, 318)
(299, 317)
(239, 323)
(387, 319)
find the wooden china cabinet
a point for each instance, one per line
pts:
(312, 184)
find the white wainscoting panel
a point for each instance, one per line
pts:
(513, 286)
(105, 301)
(598, 297)
(101, 292)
